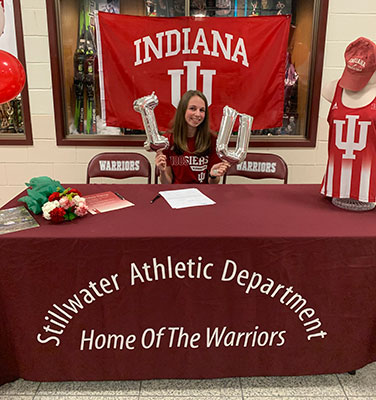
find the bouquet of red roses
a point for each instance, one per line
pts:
(64, 206)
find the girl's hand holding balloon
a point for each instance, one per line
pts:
(219, 169)
(160, 161)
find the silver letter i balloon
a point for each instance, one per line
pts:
(224, 134)
(145, 106)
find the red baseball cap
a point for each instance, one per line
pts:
(360, 56)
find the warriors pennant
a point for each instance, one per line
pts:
(239, 62)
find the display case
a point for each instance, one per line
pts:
(15, 124)
(76, 87)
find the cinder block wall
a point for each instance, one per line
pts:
(347, 20)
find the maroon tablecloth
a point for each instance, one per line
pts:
(271, 280)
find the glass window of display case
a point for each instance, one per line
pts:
(75, 78)
(15, 125)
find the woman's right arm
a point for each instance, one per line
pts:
(165, 172)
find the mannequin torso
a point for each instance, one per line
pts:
(349, 178)
(352, 99)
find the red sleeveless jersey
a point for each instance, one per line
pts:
(351, 168)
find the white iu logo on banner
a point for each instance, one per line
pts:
(192, 67)
(349, 145)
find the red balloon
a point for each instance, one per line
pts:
(12, 77)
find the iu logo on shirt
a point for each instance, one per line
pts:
(201, 177)
(348, 143)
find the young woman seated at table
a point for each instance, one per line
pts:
(191, 157)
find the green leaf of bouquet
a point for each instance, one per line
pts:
(70, 216)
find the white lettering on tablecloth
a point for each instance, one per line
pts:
(267, 286)
(107, 341)
(229, 338)
(62, 314)
(181, 270)
(179, 337)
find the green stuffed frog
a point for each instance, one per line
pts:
(38, 191)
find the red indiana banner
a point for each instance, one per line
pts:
(239, 62)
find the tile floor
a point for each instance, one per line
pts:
(362, 386)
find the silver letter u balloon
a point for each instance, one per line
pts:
(145, 106)
(224, 134)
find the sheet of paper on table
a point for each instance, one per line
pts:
(16, 219)
(106, 201)
(182, 198)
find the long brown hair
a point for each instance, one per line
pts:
(180, 128)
